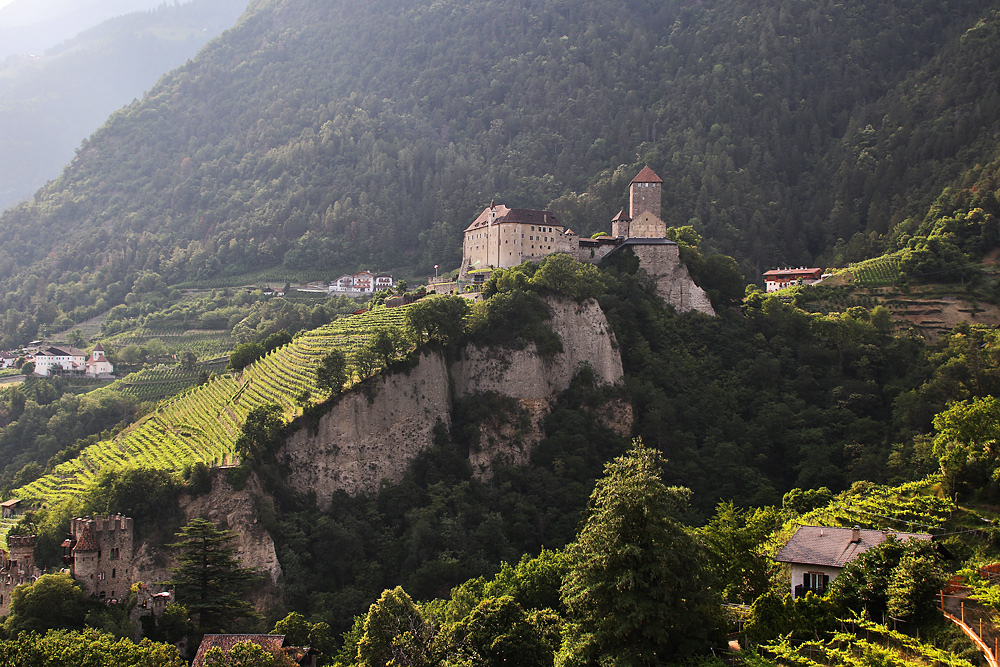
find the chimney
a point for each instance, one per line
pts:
(856, 534)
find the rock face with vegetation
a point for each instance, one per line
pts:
(372, 433)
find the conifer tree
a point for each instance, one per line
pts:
(635, 591)
(208, 579)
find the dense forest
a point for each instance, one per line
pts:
(315, 138)
(56, 96)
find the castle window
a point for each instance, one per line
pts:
(112, 573)
(532, 228)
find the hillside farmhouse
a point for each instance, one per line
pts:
(502, 237)
(818, 554)
(362, 282)
(68, 360)
(777, 279)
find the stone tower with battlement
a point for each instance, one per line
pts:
(99, 552)
(17, 566)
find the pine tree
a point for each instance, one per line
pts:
(635, 591)
(208, 579)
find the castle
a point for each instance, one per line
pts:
(502, 237)
(98, 552)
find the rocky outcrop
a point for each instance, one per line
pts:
(370, 437)
(228, 509)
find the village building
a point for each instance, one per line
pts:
(59, 360)
(777, 279)
(7, 360)
(98, 364)
(13, 508)
(818, 554)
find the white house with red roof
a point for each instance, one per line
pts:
(777, 279)
(818, 554)
(98, 364)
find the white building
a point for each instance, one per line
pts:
(60, 359)
(98, 364)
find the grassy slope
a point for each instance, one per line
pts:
(203, 424)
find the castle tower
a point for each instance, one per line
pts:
(619, 224)
(98, 352)
(21, 559)
(101, 555)
(645, 196)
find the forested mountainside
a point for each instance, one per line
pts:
(52, 100)
(318, 137)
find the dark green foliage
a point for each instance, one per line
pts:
(208, 578)
(276, 340)
(245, 354)
(52, 601)
(62, 648)
(898, 577)
(637, 589)
(300, 632)
(147, 495)
(371, 137)
(261, 435)
(331, 374)
(438, 319)
(733, 539)
(513, 318)
(806, 617)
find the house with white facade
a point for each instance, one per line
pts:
(98, 364)
(60, 359)
(818, 554)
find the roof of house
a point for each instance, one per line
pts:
(98, 348)
(518, 215)
(835, 546)
(13, 502)
(647, 175)
(793, 273)
(227, 642)
(621, 217)
(63, 351)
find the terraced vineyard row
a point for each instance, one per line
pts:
(202, 424)
(877, 272)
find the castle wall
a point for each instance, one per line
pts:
(508, 244)
(17, 567)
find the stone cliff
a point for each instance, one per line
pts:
(368, 437)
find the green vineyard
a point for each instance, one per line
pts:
(877, 272)
(202, 423)
(162, 381)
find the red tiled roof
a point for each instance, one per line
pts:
(793, 273)
(647, 176)
(86, 541)
(833, 546)
(519, 215)
(620, 217)
(227, 642)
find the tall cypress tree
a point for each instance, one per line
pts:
(208, 579)
(636, 591)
